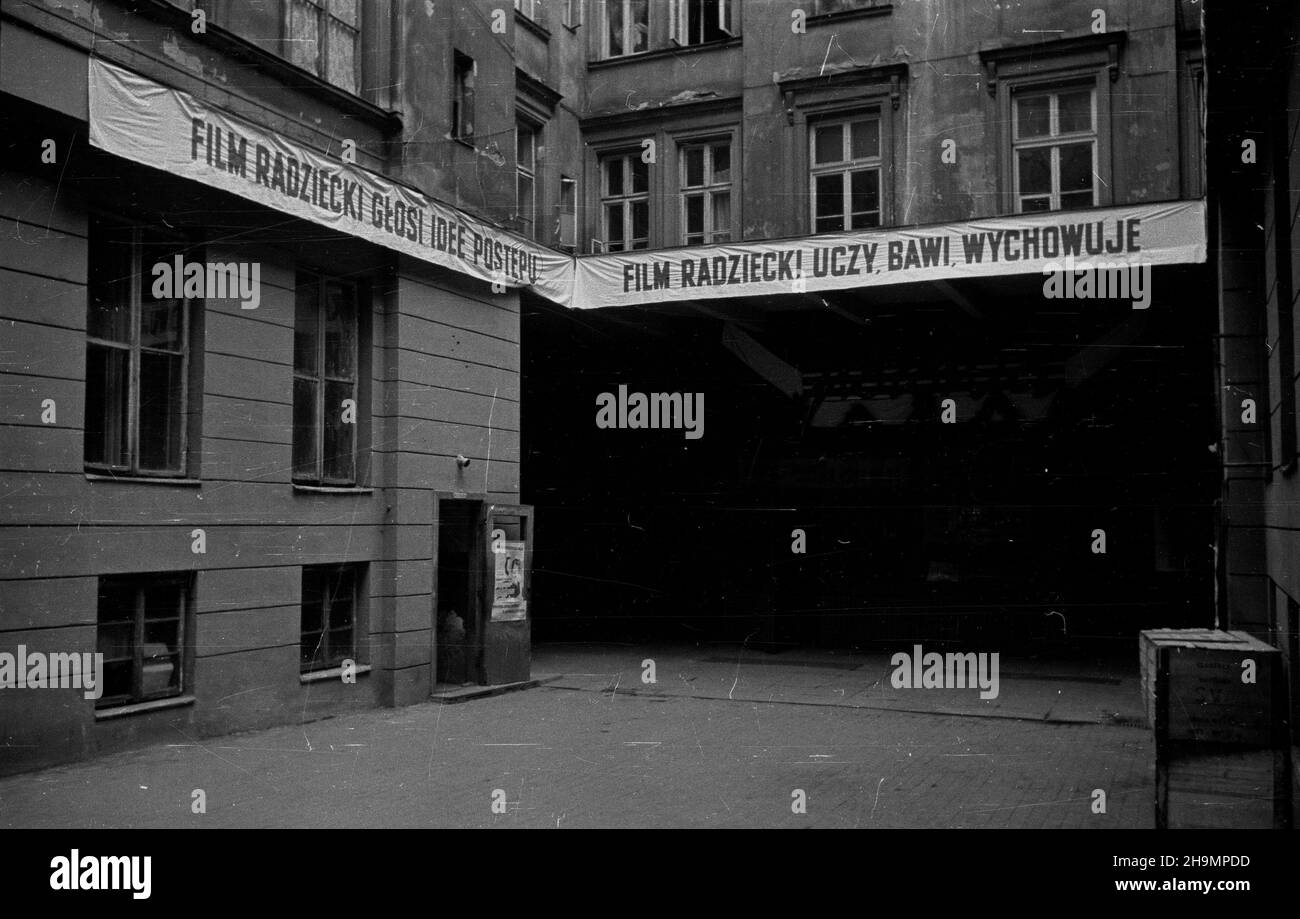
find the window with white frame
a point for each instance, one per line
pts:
(324, 37)
(845, 166)
(695, 22)
(626, 27)
(526, 177)
(1054, 148)
(624, 202)
(705, 172)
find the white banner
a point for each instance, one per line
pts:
(161, 127)
(1146, 234)
(143, 121)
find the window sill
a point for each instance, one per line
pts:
(535, 27)
(140, 708)
(144, 480)
(859, 13)
(670, 51)
(333, 489)
(333, 673)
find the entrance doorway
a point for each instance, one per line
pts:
(460, 630)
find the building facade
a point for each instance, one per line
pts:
(251, 496)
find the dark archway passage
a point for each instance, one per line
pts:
(825, 414)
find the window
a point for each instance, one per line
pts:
(845, 157)
(141, 631)
(325, 409)
(462, 100)
(526, 177)
(694, 22)
(566, 225)
(573, 13)
(706, 192)
(324, 37)
(1054, 141)
(627, 27)
(137, 349)
(329, 615)
(624, 202)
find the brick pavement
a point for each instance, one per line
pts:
(573, 753)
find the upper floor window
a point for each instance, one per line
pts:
(626, 27)
(138, 331)
(526, 177)
(324, 37)
(325, 402)
(462, 98)
(624, 202)
(694, 22)
(1054, 141)
(705, 171)
(845, 165)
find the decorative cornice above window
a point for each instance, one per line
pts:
(1108, 43)
(793, 83)
(535, 94)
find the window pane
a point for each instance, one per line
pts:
(866, 138)
(339, 436)
(116, 600)
(721, 217)
(640, 10)
(107, 371)
(864, 192)
(1074, 112)
(160, 674)
(614, 176)
(117, 679)
(163, 599)
(640, 174)
(1030, 205)
(524, 147)
(303, 35)
(109, 275)
(524, 200)
(161, 411)
(116, 641)
(340, 331)
(829, 200)
(304, 428)
(693, 163)
(1033, 116)
(1077, 199)
(614, 223)
(721, 163)
(342, 595)
(306, 327)
(694, 214)
(1035, 170)
(640, 223)
(828, 144)
(1076, 168)
(161, 324)
(311, 600)
(342, 57)
(614, 20)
